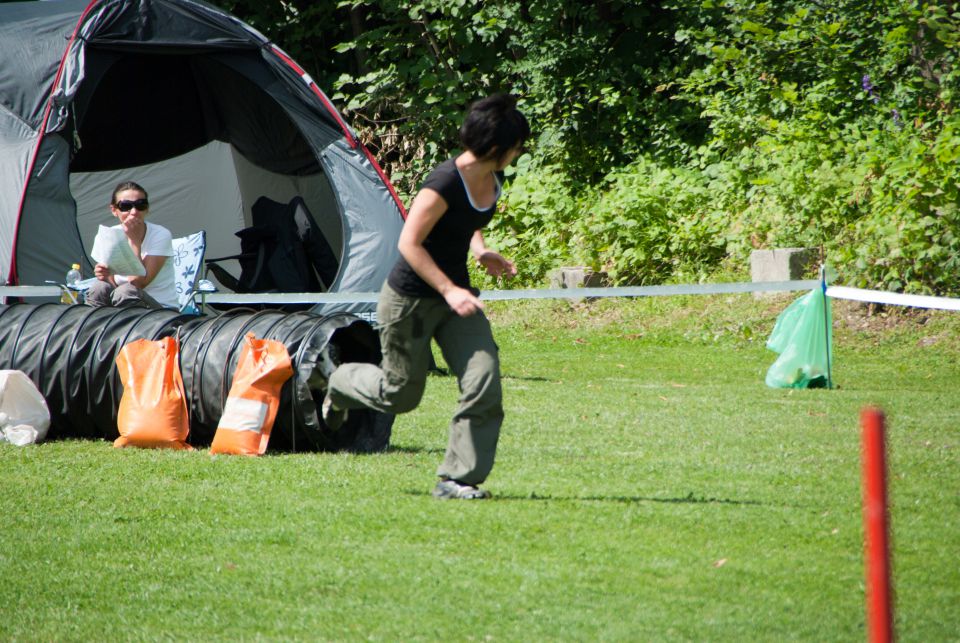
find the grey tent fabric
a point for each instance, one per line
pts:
(193, 104)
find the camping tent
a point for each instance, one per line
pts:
(193, 104)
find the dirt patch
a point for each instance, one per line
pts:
(918, 326)
(856, 315)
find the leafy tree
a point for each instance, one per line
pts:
(584, 72)
(306, 30)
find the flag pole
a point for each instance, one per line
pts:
(826, 320)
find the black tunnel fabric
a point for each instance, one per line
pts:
(69, 352)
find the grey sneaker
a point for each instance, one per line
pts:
(452, 490)
(333, 417)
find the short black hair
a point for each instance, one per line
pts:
(494, 125)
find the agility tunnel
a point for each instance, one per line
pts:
(69, 352)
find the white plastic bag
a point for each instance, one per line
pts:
(24, 417)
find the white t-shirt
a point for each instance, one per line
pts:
(159, 242)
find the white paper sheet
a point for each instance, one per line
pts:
(110, 247)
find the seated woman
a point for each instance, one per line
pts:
(151, 243)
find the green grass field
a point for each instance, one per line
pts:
(648, 486)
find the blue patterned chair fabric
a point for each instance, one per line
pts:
(187, 258)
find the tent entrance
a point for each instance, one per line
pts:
(207, 135)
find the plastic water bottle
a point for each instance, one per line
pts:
(73, 275)
(72, 279)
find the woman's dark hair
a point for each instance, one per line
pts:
(127, 185)
(494, 125)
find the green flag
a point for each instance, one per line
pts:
(802, 336)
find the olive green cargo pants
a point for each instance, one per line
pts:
(407, 325)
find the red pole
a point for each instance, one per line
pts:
(875, 527)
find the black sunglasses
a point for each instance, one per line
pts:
(126, 206)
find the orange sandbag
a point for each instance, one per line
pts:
(153, 408)
(251, 408)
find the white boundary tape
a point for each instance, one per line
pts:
(502, 295)
(897, 299)
(650, 291)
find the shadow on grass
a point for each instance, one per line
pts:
(688, 499)
(505, 376)
(415, 450)
(531, 378)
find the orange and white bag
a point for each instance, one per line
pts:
(153, 408)
(251, 408)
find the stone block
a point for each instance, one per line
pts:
(577, 277)
(782, 264)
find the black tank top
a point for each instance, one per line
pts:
(449, 241)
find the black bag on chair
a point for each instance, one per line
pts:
(283, 251)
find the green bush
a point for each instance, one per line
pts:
(648, 224)
(907, 236)
(789, 190)
(644, 224)
(533, 223)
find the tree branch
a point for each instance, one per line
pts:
(434, 46)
